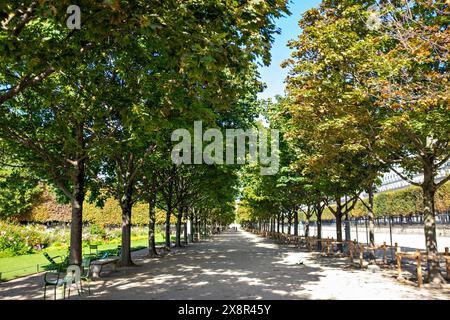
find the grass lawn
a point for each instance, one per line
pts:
(19, 266)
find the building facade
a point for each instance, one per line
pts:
(392, 181)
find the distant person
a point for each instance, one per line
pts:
(218, 229)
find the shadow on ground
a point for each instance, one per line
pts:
(231, 266)
(234, 265)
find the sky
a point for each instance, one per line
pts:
(274, 75)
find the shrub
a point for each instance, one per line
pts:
(96, 231)
(58, 236)
(18, 240)
(47, 208)
(407, 201)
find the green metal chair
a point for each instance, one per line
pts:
(93, 251)
(54, 265)
(53, 278)
(85, 273)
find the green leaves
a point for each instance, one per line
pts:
(18, 191)
(109, 95)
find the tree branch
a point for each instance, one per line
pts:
(443, 181)
(443, 161)
(25, 83)
(364, 203)
(27, 17)
(330, 208)
(405, 178)
(354, 200)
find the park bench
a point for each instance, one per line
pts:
(97, 265)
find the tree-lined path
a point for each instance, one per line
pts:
(237, 265)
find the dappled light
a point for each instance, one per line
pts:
(224, 150)
(234, 265)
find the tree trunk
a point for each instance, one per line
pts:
(347, 222)
(347, 227)
(319, 225)
(191, 225)
(295, 222)
(282, 223)
(178, 227)
(278, 223)
(308, 221)
(126, 204)
(168, 215)
(197, 224)
(339, 227)
(289, 222)
(151, 225)
(307, 227)
(76, 226)
(428, 189)
(185, 232)
(370, 215)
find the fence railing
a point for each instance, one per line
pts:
(353, 249)
(441, 219)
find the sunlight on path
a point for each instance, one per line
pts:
(236, 265)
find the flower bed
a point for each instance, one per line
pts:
(18, 240)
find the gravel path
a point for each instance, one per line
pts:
(237, 265)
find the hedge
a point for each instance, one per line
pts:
(47, 209)
(407, 201)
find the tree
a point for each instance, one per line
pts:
(296, 186)
(332, 116)
(390, 83)
(52, 88)
(149, 192)
(56, 80)
(51, 132)
(412, 86)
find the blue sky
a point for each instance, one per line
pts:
(274, 75)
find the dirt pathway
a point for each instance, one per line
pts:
(237, 265)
